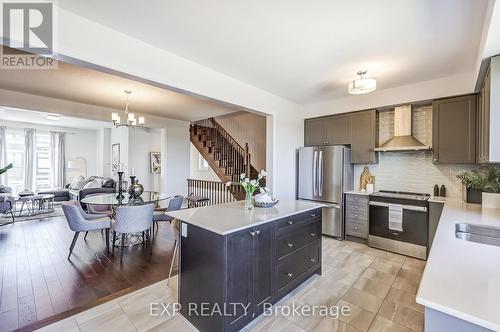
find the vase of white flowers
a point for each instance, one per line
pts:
(250, 186)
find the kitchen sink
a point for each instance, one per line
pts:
(475, 233)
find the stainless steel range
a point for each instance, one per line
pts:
(399, 222)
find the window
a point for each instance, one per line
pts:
(42, 151)
(15, 154)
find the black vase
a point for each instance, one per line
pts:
(474, 196)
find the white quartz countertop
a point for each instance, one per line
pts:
(231, 217)
(462, 278)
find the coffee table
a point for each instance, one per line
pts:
(44, 203)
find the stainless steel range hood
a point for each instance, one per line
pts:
(403, 139)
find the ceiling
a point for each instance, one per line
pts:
(301, 50)
(39, 118)
(89, 86)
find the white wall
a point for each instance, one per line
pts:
(141, 143)
(246, 127)
(79, 38)
(79, 143)
(194, 172)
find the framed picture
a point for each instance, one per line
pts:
(155, 162)
(115, 157)
(202, 163)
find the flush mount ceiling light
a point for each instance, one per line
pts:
(131, 120)
(53, 117)
(362, 85)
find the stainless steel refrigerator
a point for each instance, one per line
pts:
(324, 174)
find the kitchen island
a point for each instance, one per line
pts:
(235, 262)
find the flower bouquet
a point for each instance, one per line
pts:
(250, 186)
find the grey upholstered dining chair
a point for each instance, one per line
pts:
(79, 221)
(160, 216)
(132, 219)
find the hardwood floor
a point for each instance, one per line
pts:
(40, 285)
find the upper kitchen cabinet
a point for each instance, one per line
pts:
(363, 137)
(454, 130)
(489, 115)
(330, 130)
(338, 129)
(314, 132)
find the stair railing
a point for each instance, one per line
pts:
(227, 146)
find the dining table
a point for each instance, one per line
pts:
(116, 200)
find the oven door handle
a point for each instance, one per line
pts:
(405, 207)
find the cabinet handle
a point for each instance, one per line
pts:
(290, 274)
(290, 222)
(253, 233)
(313, 215)
(355, 228)
(313, 234)
(290, 244)
(313, 260)
(257, 232)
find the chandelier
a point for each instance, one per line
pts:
(131, 120)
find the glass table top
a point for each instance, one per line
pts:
(147, 197)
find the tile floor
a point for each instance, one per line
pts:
(379, 287)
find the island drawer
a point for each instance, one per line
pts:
(299, 237)
(298, 263)
(290, 223)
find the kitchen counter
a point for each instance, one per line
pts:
(462, 278)
(231, 217)
(356, 192)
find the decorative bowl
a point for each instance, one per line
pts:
(266, 204)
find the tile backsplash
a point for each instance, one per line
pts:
(413, 171)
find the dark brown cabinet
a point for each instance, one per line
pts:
(338, 129)
(249, 278)
(357, 129)
(483, 120)
(330, 130)
(454, 130)
(363, 137)
(244, 267)
(314, 132)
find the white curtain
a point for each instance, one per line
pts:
(57, 159)
(29, 158)
(3, 154)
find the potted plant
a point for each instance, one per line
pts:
(250, 186)
(473, 183)
(485, 181)
(491, 188)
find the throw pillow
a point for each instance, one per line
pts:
(75, 180)
(108, 183)
(79, 184)
(2, 189)
(96, 183)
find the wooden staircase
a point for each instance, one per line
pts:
(225, 156)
